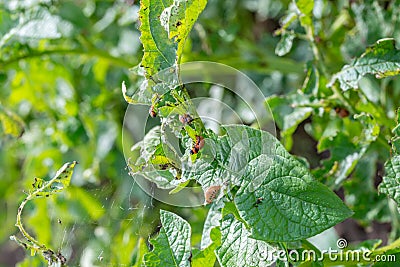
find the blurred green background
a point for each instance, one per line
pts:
(61, 68)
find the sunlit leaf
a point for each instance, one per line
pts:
(207, 257)
(11, 123)
(382, 60)
(238, 249)
(59, 182)
(285, 44)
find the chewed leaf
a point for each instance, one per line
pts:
(165, 27)
(62, 179)
(381, 60)
(157, 162)
(179, 18)
(172, 245)
(159, 50)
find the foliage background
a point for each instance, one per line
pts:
(61, 68)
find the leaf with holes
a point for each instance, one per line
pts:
(165, 26)
(59, 182)
(157, 160)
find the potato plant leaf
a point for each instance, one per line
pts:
(59, 182)
(277, 198)
(172, 245)
(159, 49)
(207, 256)
(238, 249)
(289, 112)
(157, 162)
(382, 60)
(165, 25)
(391, 181)
(179, 18)
(288, 204)
(213, 220)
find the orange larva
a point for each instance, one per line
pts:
(211, 193)
(342, 112)
(152, 111)
(198, 145)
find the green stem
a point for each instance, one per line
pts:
(32, 243)
(318, 59)
(92, 52)
(21, 228)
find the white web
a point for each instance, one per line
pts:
(129, 210)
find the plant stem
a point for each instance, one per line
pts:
(21, 228)
(65, 172)
(318, 59)
(92, 52)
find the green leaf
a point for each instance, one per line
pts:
(172, 245)
(286, 203)
(285, 44)
(159, 49)
(141, 251)
(157, 161)
(12, 124)
(311, 83)
(306, 8)
(277, 194)
(361, 194)
(165, 27)
(207, 256)
(238, 249)
(59, 182)
(391, 181)
(212, 220)
(347, 140)
(382, 60)
(179, 18)
(289, 111)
